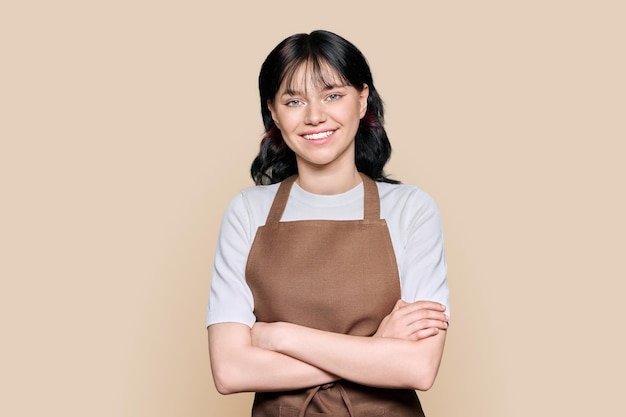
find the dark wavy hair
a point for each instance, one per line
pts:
(320, 48)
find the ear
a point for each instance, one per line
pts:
(272, 110)
(363, 95)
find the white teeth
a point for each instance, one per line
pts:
(320, 135)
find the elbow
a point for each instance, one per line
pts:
(426, 367)
(424, 378)
(228, 350)
(223, 387)
(424, 383)
(226, 380)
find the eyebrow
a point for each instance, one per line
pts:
(292, 92)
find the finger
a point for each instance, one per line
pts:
(409, 317)
(426, 333)
(427, 324)
(418, 305)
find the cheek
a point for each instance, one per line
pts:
(278, 118)
(285, 129)
(281, 125)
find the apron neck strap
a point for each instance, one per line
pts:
(371, 203)
(280, 200)
(371, 208)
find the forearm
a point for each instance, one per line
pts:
(238, 366)
(380, 362)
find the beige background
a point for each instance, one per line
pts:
(127, 126)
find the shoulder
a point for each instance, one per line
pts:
(248, 209)
(253, 197)
(407, 199)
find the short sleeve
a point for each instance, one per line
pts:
(424, 269)
(230, 298)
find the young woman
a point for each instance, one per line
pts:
(329, 293)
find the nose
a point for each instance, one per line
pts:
(314, 114)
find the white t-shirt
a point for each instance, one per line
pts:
(411, 215)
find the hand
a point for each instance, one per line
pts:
(413, 321)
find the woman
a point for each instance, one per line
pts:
(329, 290)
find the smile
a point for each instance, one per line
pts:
(320, 135)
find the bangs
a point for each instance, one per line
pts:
(314, 70)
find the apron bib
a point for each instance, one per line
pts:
(334, 275)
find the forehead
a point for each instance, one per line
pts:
(311, 74)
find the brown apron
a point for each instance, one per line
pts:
(335, 275)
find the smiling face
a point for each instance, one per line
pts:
(318, 117)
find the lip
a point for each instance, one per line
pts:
(318, 135)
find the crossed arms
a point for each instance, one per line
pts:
(405, 352)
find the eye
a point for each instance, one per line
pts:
(293, 103)
(333, 97)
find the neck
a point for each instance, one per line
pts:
(328, 183)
